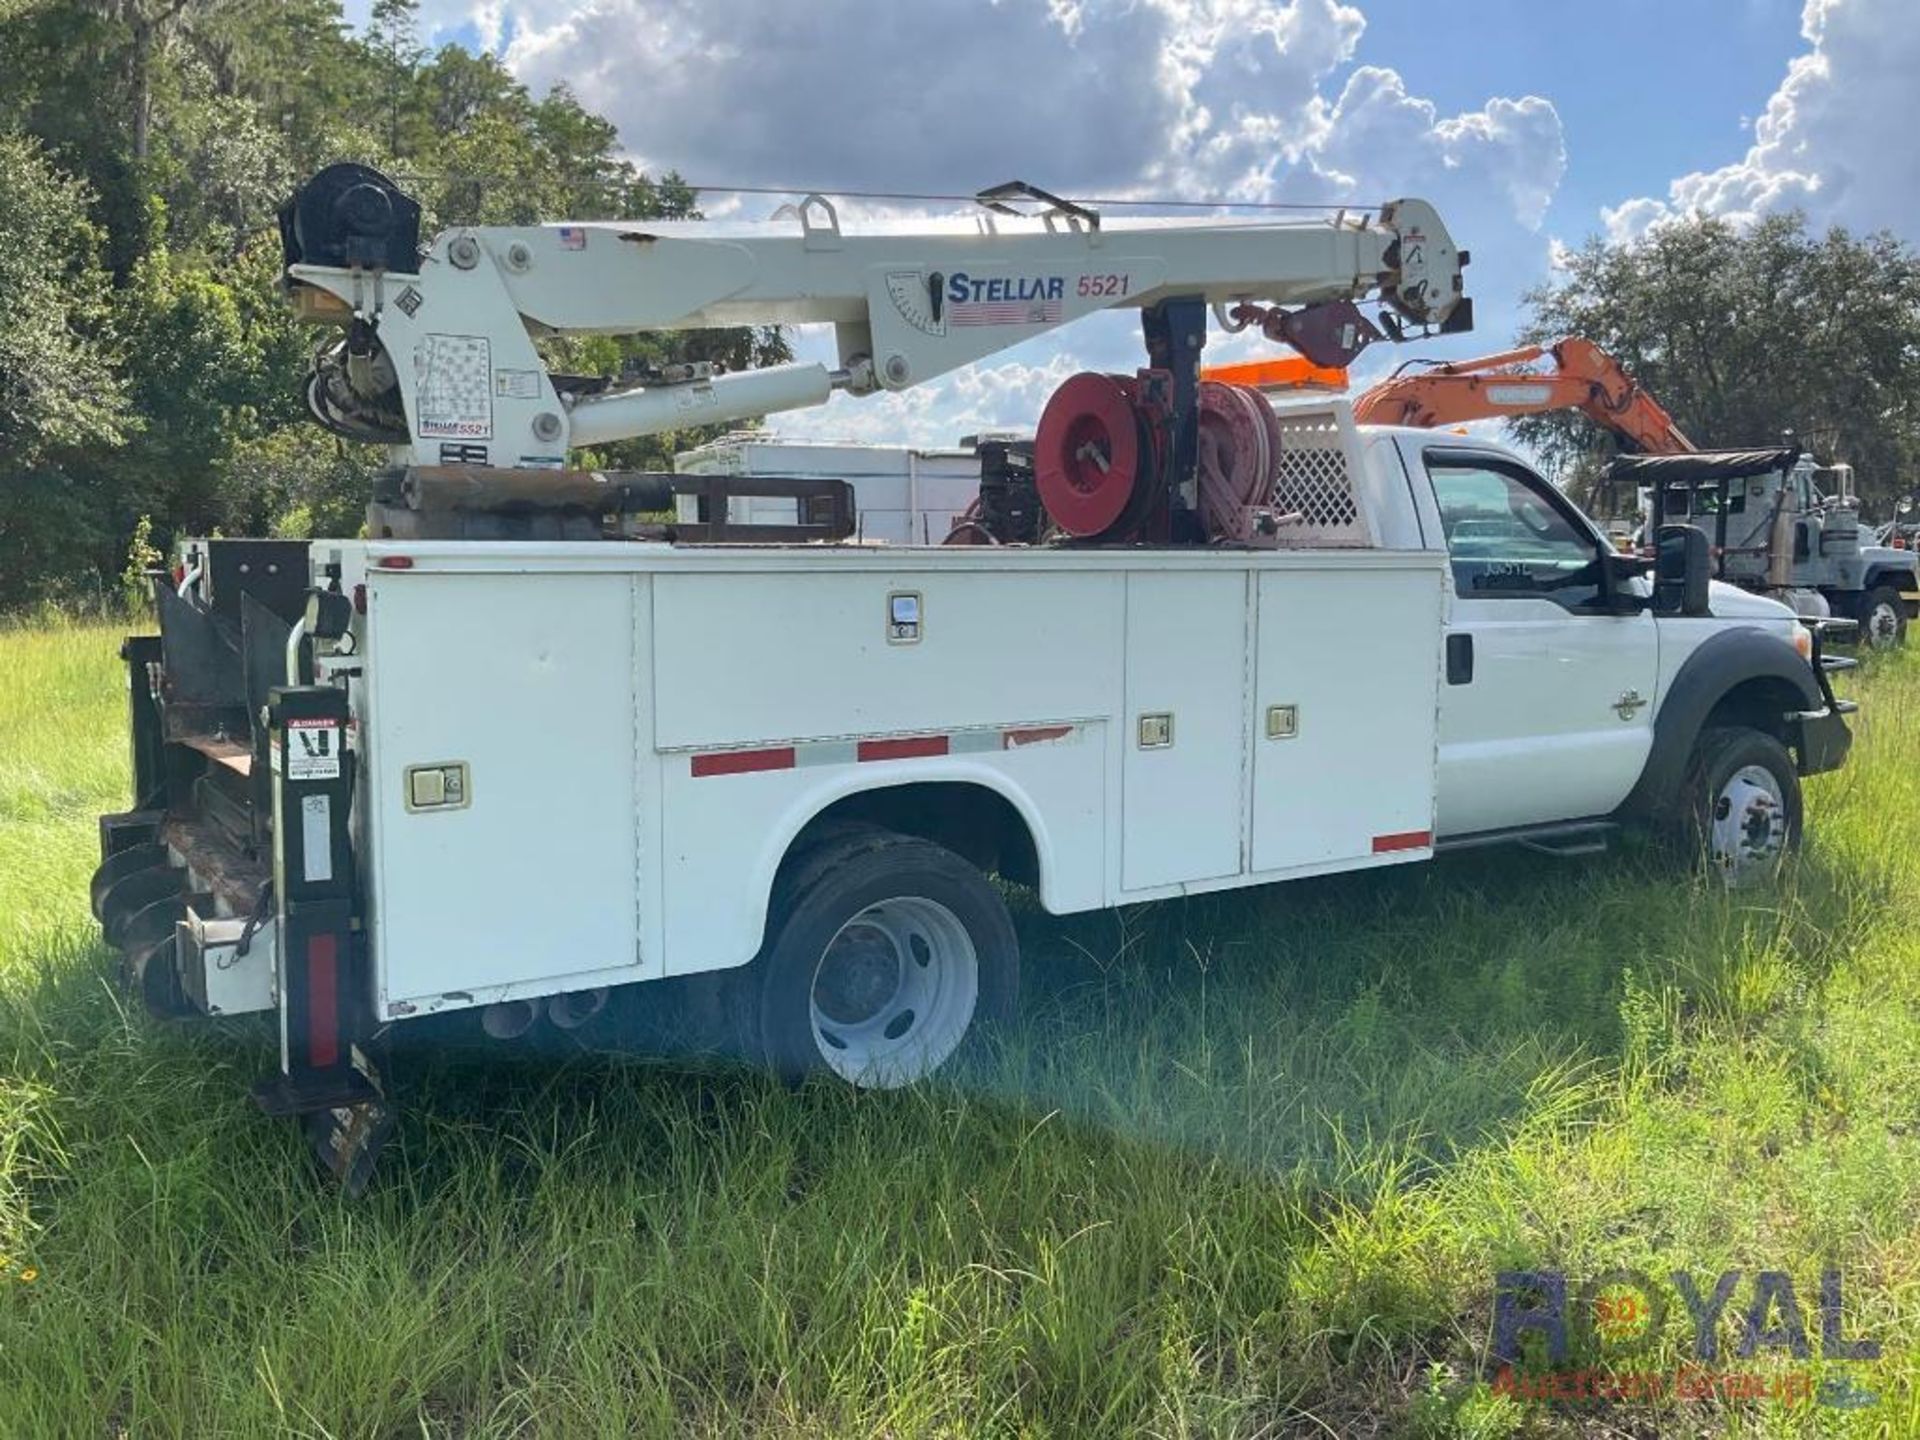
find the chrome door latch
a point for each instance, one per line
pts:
(1629, 704)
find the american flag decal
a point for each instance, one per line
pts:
(1005, 312)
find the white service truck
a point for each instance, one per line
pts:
(386, 780)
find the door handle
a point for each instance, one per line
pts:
(1460, 659)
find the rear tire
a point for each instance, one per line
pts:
(1743, 806)
(1883, 619)
(885, 953)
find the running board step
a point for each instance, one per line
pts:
(1567, 847)
(1563, 839)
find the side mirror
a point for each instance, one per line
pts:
(1681, 573)
(1618, 571)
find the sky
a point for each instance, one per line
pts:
(1530, 126)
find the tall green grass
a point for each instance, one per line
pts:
(1249, 1165)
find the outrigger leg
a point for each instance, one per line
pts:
(326, 1076)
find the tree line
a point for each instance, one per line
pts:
(147, 365)
(149, 375)
(1745, 334)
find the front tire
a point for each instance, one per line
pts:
(1744, 808)
(886, 952)
(1883, 618)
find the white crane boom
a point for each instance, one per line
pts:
(440, 357)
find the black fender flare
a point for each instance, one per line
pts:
(1900, 577)
(1708, 676)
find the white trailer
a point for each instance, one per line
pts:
(903, 494)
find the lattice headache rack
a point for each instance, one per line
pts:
(1317, 480)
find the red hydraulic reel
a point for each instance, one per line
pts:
(1099, 460)
(1094, 455)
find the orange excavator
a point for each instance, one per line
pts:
(1584, 378)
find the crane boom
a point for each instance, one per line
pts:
(439, 358)
(1584, 378)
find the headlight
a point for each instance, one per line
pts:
(1803, 642)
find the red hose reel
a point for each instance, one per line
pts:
(1100, 452)
(1093, 453)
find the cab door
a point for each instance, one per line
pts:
(1547, 701)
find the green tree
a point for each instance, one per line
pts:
(393, 43)
(59, 394)
(57, 387)
(1745, 333)
(145, 146)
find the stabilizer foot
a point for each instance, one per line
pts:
(347, 1141)
(282, 1095)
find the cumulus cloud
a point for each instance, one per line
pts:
(1249, 100)
(1183, 98)
(1829, 141)
(846, 93)
(1502, 162)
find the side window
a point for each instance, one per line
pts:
(1507, 539)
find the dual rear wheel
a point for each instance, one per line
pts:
(885, 953)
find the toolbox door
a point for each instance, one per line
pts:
(1347, 675)
(1184, 731)
(504, 786)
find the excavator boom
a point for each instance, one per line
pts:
(1584, 378)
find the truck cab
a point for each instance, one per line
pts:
(1568, 675)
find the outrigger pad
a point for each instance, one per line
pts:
(348, 1139)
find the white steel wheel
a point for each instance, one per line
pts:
(1883, 623)
(894, 993)
(883, 954)
(1748, 834)
(1745, 805)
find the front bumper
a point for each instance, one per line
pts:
(1824, 738)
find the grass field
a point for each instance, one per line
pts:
(1249, 1167)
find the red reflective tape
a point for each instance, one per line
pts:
(739, 762)
(323, 1001)
(912, 747)
(1037, 735)
(1405, 840)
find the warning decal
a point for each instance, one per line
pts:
(453, 386)
(313, 750)
(517, 384)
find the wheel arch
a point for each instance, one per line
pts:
(976, 812)
(1902, 579)
(1743, 676)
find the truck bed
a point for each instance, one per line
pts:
(646, 728)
